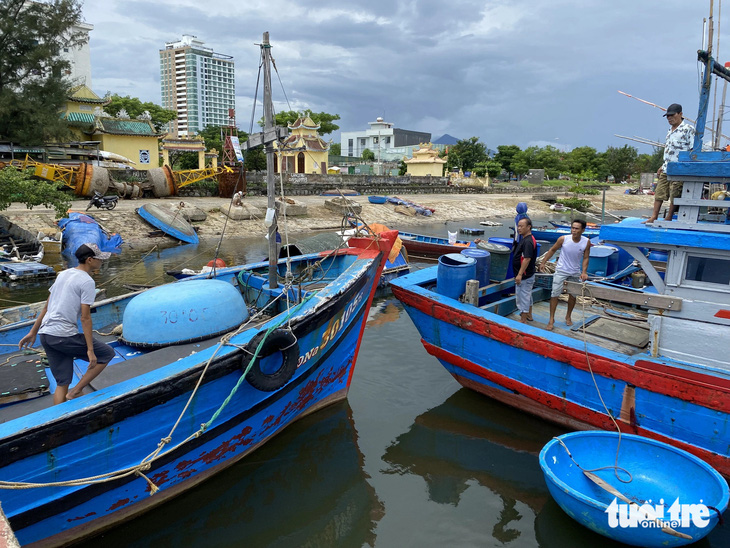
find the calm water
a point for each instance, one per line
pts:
(411, 459)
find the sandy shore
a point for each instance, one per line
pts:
(449, 207)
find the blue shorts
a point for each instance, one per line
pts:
(61, 352)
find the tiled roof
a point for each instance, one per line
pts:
(304, 122)
(82, 94)
(116, 126)
(78, 118)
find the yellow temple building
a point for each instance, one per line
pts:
(137, 140)
(304, 151)
(425, 161)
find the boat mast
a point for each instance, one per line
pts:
(270, 181)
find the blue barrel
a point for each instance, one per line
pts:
(453, 272)
(657, 255)
(507, 242)
(598, 264)
(484, 262)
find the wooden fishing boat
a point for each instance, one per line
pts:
(170, 222)
(147, 387)
(431, 246)
(657, 363)
(597, 476)
(17, 244)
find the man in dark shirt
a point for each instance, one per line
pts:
(523, 264)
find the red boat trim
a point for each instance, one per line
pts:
(571, 410)
(724, 314)
(690, 386)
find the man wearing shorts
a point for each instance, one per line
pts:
(575, 251)
(679, 137)
(72, 295)
(523, 263)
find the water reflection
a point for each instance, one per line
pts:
(307, 487)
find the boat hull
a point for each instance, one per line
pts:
(431, 246)
(552, 376)
(118, 426)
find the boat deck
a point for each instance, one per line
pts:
(610, 328)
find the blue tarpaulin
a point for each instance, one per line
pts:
(78, 229)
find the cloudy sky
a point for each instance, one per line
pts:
(518, 72)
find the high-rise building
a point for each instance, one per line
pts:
(79, 57)
(197, 83)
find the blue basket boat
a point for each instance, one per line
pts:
(377, 199)
(686, 495)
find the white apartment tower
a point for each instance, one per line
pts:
(197, 83)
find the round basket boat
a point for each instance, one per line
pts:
(377, 199)
(182, 312)
(665, 483)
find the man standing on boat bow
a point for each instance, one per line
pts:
(575, 252)
(679, 137)
(72, 295)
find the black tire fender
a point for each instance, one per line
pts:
(279, 341)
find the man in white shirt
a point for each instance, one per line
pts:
(72, 295)
(575, 252)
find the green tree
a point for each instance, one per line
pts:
(582, 159)
(324, 119)
(22, 186)
(336, 149)
(368, 155)
(494, 169)
(550, 159)
(135, 107)
(506, 156)
(466, 154)
(619, 162)
(33, 77)
(402, 168)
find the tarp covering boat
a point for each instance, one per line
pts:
(78, 229)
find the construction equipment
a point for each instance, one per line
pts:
(83, 178)
(166, 182)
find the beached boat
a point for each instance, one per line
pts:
(17, 244)
(168, 221)
(660, 364)
(431, 246)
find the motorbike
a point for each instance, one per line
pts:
(102, 202)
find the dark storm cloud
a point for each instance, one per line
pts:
(516, 71)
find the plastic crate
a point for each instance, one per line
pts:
(543, 280)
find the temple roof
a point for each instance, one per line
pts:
(193, 144)
(84, 94)
(304, 122)
(311, 142)
(115, 126)
(425, 154)
(79, 119)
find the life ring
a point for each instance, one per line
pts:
(278, 341)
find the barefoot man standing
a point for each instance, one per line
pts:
(572, 265)
(72, 295)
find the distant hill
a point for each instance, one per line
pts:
(445, 139)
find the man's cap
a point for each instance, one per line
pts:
(88, 250)
(674, 108)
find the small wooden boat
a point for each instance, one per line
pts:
(377, 199)
(18, 244)
(490, 223)
(471, 231)
(552, 234)
(431, 246)
(169, 221)
(597, 476)
(567, 225)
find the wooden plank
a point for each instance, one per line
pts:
(702, 203)
(619, 295)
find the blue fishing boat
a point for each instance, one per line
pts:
(377, 199)
(228, 353)
(168, 221)
(602, 479)
(656, 363)
(552, 234)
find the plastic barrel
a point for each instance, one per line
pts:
(499, 259)
(453, 272)
(613, 260)
(507, 242)
(483, 260)
(598, 264)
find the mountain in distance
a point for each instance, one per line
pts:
(445, 139)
